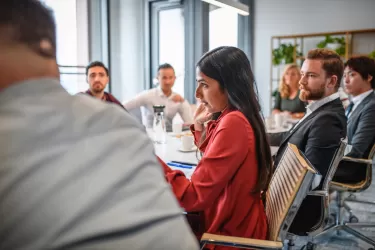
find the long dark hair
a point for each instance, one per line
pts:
(231, 68)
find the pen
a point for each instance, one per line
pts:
(179, 165)
(184, 163)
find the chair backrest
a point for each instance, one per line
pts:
(288, 187)
(324, 191)
(368, 180)
(334, 164)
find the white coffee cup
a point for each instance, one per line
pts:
(268, 122)
(176, 128)
(187, 142)
(279, 120)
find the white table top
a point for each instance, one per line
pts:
(280, 129)
(169, 152)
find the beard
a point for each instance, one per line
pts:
(307, 94)
(97, 88)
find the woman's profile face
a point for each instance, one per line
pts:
(209, 93)
(292, 77)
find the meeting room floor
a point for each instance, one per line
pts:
(364, 212)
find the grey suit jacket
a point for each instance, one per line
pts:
(80, 173)
(361, 128)
(318, 136)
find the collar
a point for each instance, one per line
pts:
(223, 113)
(104, 97)
(29, 87)
(161, 93)
(359, 98)
(317, 104)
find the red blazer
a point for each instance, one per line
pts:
(221, 185)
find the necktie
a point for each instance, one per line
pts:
(349, 109)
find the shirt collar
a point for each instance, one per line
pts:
(161, 93)
(359, 98)
(104, 97)
(317, 104)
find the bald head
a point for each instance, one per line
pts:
(27, 41)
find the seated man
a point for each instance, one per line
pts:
(319, 132)
(98, 78)
(75, 173)
(359, 79)
(163, 95)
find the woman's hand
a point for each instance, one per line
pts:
(200, 117)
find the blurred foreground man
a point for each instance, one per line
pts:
(76, 173)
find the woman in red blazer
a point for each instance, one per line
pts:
(236, 164)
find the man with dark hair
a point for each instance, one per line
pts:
(318, 134)
(98, 78)
(359, 80)
(162, 95)
(76, 173)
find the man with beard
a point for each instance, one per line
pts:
(319, 132)
(98, 78)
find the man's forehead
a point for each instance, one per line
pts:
(96, 69)
(311, 65)
(166, 72)
(348, 69)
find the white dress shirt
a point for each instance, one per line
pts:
(155, 96)
(358, 99)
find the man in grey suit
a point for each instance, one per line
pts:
(318, 134)
(359, 79)
(76, 173)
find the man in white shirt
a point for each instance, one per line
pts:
(359, 79)
(76, 172)
(162, 95)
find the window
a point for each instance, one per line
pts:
(172, 44)
(223, 27)
(72, 42)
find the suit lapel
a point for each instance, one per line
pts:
(358, 109)
(312, 115)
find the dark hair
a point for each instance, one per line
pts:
(332, 63)
(28, 22)
(364, 65)
(96, 64)
(231, 68)
(165, 66)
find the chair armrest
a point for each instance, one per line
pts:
(240, 242)
(318, 193)
(357, 160)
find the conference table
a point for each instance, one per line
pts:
(172, 151)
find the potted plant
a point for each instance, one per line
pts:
(284, 54)
(372, 55)
(335, 43)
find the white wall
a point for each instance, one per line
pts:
(127, 47)
(283, 17)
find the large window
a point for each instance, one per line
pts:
(223, 27)
(172, 44)
(72, 42)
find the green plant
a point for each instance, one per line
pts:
(284, 54)
(372, 55)
(338, 40)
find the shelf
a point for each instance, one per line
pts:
(325, 33)
(299, 39)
